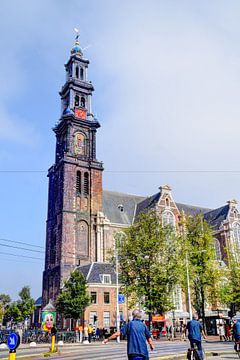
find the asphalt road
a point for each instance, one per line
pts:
(114, 351)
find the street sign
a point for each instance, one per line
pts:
(121, 298)
(13, 341)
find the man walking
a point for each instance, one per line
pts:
(137, 336)
(195, 332)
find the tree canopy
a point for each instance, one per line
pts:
(148, 261)
(73, 298)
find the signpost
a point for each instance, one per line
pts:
(121, 298)
(13, 342)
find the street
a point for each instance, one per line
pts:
(114, 351)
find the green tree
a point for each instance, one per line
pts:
(13, 313)
(26, 303)
(148, 263)
(73, 299)
(4, 302)
(204, 270)
(230, 290)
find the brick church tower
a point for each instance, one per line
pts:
(75, 181)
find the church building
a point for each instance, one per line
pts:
(82, 217)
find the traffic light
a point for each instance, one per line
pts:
(94, 318)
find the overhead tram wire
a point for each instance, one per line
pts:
(22, 256)
(23, 243)
(21, 248)
(137, 171)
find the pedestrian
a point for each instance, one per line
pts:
(137, 336)
(90, 333)
(97, 333)
(228, 332)
(195, 332)
(236, 333)
(221, 332)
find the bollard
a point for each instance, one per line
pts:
(53, 343)
(12, 355)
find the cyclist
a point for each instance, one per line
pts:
(195, 332)
(236, 333)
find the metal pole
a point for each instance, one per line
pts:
(188, 289)
(117, 291)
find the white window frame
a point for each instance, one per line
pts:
(103, 278)
(169, 213)
(106, 319)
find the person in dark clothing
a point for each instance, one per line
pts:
(195, 332)
(137, 336)
(236, 333)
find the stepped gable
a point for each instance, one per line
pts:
(217, 216)
(111, 202)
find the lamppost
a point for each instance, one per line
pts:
(117, 292)
(188, 289)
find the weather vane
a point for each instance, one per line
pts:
(77, 34)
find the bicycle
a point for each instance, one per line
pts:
(193, 354)
(237, 347)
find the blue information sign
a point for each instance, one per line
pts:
(13, 341)
(121, 298)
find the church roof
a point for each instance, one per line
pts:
(133, 205)
(111, 202)
(147, 204)
(217, 216)
(192, 210)
(93, 272)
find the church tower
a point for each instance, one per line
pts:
(75, 181)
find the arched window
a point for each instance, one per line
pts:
(76, 100)
(218, 250)
(167, 202)
(81, 238)
(168, 218)
(82, 102)
(79, 144)
(86, 183)
(77, 72)
(81, 73)
(78, 182)
(236, 232)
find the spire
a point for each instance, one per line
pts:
(76, 48)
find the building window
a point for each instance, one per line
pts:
(106, 318)
(168, 218)
(76, 100)
(81, 73)
(105, 278)
(78, 182)
(92, 317)
(177, 298)
(236, 232)
(167, 202)
(218, 250)
(106, 297)
(77, 72)
(82, 238)
(86, 183)
(93, 297)
(82, 102)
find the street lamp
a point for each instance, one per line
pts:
(117, 292)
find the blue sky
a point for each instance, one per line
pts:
(167, 80)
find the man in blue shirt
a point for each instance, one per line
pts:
(137, 335)
(195, 332)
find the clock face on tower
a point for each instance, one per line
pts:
(81, 113)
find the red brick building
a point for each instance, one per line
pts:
(82, 218)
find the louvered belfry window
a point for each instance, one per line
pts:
(78, 182)
(86, 183)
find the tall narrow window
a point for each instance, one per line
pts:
(77, 72)
(86, 183)
(78, 182)
(82, 102)
(167, 202)
(76, 100)
(81, 73)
